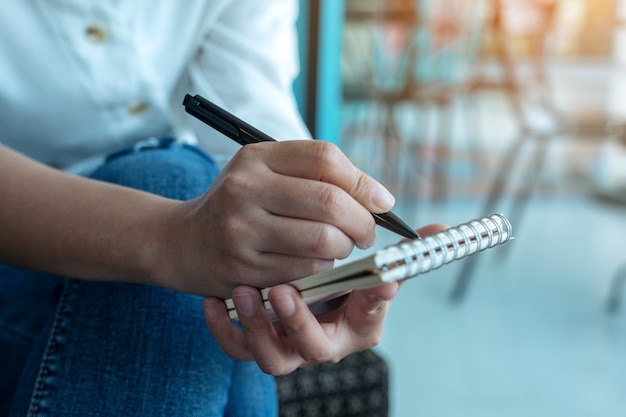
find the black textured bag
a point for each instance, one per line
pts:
(356, 386)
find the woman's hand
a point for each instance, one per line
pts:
(300, 338)
(278, 211)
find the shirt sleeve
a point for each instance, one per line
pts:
(246, 62)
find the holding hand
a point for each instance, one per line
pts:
(300, 338)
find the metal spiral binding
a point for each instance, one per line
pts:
(432, 252)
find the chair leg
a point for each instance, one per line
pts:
(618, 283)
(520, 202)
(497, 189)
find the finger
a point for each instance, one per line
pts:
(271, 352)
(230, 338)
(264, 271)
(308, 337)
(301, 238)
(322, 161)
(290, 192)
(365, 312)
(322, 202)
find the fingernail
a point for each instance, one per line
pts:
(284, 305)
(245, 303)
(382, 198)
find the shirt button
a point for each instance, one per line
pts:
(137, 108)
(97, 33)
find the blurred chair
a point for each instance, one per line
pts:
(507, 81)
(415, 57)
(614, 301)
(445, 52)
(375, 68)
(531, 101)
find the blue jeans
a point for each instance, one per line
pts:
(82, 348)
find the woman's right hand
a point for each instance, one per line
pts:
(278, 211)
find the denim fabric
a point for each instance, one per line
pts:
(27, 300)
(112, 349)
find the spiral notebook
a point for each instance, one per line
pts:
(405, 260)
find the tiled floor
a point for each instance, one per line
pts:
(532, 336)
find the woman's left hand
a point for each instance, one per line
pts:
(300, 338)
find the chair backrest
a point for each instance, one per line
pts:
(427, 41)
(448, 38)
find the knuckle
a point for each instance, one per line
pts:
(320, 355)
(229, 227)
(312, 266)
(330, 198)
(235, 352)
(372, 339)
(326, 243)
(236, 184)
(362, 185)
(321, 240)
(248, 152)
(253, 327)
(325, 154)
(324, 149)
(375, 339)
(275, 369)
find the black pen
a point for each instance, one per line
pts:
(244, 134)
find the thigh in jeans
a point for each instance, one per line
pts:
(128, 349)
(28, 300)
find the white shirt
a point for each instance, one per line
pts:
(79, 79)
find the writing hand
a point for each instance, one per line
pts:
(278, 211)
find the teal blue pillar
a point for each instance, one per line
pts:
(319, 87)
(328, 111)
(300, 84)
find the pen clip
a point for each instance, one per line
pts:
(224, 122)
